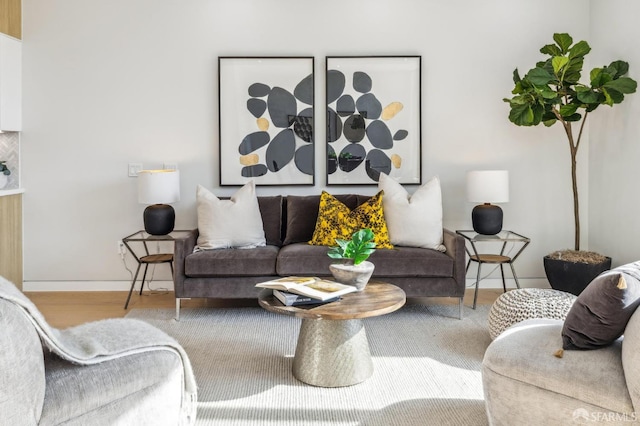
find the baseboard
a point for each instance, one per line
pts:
(91, 285)
(125, 285)
(497, 283)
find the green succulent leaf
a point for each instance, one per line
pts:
(359, 248)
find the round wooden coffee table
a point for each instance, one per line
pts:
(332, 347)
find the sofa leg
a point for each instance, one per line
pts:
(178, 308)
(461, 307)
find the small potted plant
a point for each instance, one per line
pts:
(355, 269)
(4, 174)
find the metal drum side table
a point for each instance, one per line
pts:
(332, 348)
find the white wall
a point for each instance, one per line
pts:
(615, 138)
(118, 81)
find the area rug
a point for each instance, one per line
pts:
(426, 368)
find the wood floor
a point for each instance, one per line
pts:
(65, 309)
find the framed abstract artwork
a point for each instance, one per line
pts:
(266, 120)
(373, 119)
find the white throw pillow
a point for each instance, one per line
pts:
(413, 220)
(230, 223)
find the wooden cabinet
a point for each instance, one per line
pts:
(11, 17)
(11, 238)
(10, 83)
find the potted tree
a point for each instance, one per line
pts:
(550, 93)
(355, 269)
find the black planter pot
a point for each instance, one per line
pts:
(572, 277)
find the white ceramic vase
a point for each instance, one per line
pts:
(355, 275)
(4, 179)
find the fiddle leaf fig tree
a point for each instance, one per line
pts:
(552, 92)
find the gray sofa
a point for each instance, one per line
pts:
(524, 383)
(289, 223)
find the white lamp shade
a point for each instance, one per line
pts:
(158, 186)
(488, 186)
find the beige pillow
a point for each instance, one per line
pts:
(229, 223)
(413, 220)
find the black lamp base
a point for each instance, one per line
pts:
(159, 219)
(486, 219)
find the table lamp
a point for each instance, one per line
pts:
(157, 188)
(487, 186)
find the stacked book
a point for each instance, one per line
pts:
(293, 291)
(292, 299)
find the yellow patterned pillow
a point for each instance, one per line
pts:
(335, 220)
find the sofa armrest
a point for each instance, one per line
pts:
(183, 246)
(454, 244)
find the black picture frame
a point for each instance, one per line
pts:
(266, 120)
(374, 125)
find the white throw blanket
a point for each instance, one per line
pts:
(99, 341)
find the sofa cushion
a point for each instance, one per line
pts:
(337, 221)
(77, 395)
(413, 220)
(302, 214)
(271, 212)
(229, 223)
(305, 259)
(232, 262)
(601, 312)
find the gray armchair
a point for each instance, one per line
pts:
(91, 374)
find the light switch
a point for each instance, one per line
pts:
(134, 169)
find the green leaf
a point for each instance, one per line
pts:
(549, 123)
(579, 49)
(558, 63)
(596, 76)
(516, 76)
(539, 76)
(588, 96)
(618, 68)
(607, 97)
(551, 49)
(521, 115)
(592, 107)
(573, 117)
(568, 110)
(615, 96)
(548, 94)
(622, 85)
(563, 40)
(573, 71)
